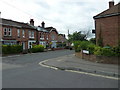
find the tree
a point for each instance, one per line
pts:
(76, 36)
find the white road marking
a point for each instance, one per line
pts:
(97, 75)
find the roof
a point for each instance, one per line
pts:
(8, 22)
(113, 11)
(41, 29)
(49, 29)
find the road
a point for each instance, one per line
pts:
(24, 71)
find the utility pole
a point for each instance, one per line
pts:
(0, 14)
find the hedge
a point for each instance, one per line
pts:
(11, 49)
(96, 50)
(37, 48)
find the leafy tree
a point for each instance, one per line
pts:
(76, 36)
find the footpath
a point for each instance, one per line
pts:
(71, 62)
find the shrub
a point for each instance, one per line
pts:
(91, 48)
(11, 49)
(83, 45)
(99, 51)
(107, 52)
(77, 46)
(37, 48)
(116, 50)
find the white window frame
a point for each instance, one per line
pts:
(42, 36)
(9, 32)
(47, 36)
(32, 34)
(23, 33)
(18, 32)
(5, 30)
(29, 34)
(53, 37)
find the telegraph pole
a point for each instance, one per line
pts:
(0, 14)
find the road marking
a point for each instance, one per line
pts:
(97, 75)
(11, 56)
(41, 63)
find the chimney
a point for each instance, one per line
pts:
(43, 24)
(32, 22)
(111, 4)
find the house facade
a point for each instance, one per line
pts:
(26, 34)
(14, 32)
(107, 26)
(53, 37)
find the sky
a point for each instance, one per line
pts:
(75, 15)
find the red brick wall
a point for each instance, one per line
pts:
(53, 33)
(45, 36)
(15, 35)
(109, 30)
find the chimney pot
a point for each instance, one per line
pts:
(43, 24)
(111, 4)
(32, 22)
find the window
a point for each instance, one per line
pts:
(29, 34)
(5, 32)
(23, 33)
(32, 35)
(42, 36)
(47, 37)
(9, 32)
(18, 32)
(53, 37)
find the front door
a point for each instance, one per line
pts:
(23, 45)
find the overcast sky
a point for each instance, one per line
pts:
(74, 15)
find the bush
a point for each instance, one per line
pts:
(83, 45)
(77, 46)
(97, 50)
(107, 52)
(37, 48)
(11, 49)
(91, 48)
(116, 50)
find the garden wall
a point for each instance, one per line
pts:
(99, 59)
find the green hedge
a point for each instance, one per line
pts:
(37, 48)
(102, 51)
(96, 50)
(11, 49)
(82, 45)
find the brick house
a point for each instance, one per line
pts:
(26, 34)
(53, 37)
(107, 26)
(43, 35)
(14, 32)
(62, 38)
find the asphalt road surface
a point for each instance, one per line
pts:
(24, 71)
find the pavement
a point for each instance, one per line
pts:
(71, 62)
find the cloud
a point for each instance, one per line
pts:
(62, 14)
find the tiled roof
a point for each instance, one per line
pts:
(115, 10)
(49, 29)
(8, 22)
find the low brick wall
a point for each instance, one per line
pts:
(99, 59)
